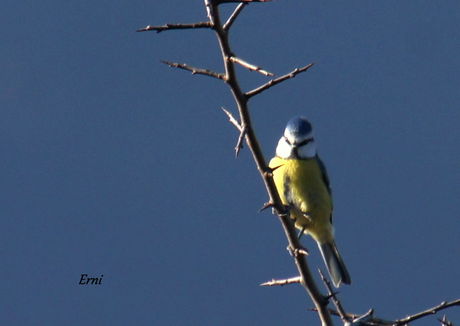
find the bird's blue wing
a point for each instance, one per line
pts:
(324, 175)
(325, 178)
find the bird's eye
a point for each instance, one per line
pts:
(305, 142)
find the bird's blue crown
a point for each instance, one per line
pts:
(299, 127)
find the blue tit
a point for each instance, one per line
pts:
(303, 184)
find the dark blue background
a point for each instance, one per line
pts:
(114, 164)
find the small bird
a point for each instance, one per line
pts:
(303, 185)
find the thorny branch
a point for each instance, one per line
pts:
(239, 144)
(276, 81)
(291, 280)
(368, 319)
(253, 144)
(250, 66)
(160, 29)
(195, 71)
(333, 296)
(233, 17)
(431, 311)
(233, 120)
(247, 133)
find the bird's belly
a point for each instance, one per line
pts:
(302, 188)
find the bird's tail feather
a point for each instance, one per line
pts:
(334, 263)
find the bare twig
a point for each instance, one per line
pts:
(165, 27)
(194, 70)
(445, 322)
(239, 144)
(364, 319)
(432, 311)
(233, 120)
(333, 295)
(243, 130)
(218, 2)
(210, 10)
(233, 17)
(265, 206)
(370, 319)
(250, 66)
(278, 80)
(351, 319)
(291, 280)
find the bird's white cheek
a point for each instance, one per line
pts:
(308, 150)
(283, 150)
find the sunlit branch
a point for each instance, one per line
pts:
(233, 120)
(233, 17)
(250, 66)
(165, 27)
(370, 319)
(291, 280)
(243, 130)
(195, 71)
(278, 80)
(431, 311)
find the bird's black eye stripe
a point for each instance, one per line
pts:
(305, 142)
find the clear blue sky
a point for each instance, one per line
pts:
(114, 164)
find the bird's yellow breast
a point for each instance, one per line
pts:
(301, 186)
